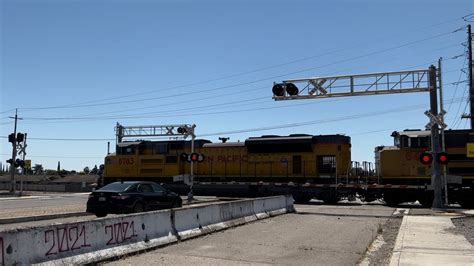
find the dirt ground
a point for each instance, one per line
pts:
(465, 227)
(380, 252)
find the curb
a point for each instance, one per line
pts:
(41, 217)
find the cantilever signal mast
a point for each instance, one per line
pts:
(423, 80)
(181, 130)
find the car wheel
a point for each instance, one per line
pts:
(100, 214)
(138, 207)
(176, 204)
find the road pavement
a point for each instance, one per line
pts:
(27, 211)
(316, 234)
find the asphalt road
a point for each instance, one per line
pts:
(43, 200)
(54, 203)
(316, 234)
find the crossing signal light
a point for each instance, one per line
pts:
(426, 158)
(182, 130)
(19, 163)
(291, 89)
(20, 137)
(193, 157)
(11, 138)
(10, 161)
(280, 88)
(442, 158)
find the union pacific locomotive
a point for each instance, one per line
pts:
(400, 165)
(307, 166)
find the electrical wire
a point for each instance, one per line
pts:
(243, 83)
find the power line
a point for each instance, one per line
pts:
(356, 116)
(238, 84)
(160, 113)
(457, 84)
(89, 118)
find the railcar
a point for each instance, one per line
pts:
(260, 165)
(306, 166)
(399, 165)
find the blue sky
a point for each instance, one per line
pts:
(213, 63)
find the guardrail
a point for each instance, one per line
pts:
(105, 238)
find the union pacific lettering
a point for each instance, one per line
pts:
(228, 158)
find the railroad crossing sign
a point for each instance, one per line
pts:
(435, 119)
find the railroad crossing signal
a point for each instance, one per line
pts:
(17, 163)
(442, 158)
(435, 119)
(193, 157)
(426, 158)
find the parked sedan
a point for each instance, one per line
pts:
(131, 196)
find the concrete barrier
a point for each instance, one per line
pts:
(104, 238)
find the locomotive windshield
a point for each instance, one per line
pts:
(412, 139)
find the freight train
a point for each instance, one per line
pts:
(306, 166)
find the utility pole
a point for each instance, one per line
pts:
(471, 85)
(435, 149)
(470, 78)
(12, 165)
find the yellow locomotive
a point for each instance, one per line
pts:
(400, 165)
(295, 159)
(307, 166)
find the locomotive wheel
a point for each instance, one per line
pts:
(138, 207)
(302, 198)
(466, 203)
(426, 200)
(331, 200)
(391, 199)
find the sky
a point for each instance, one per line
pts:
(74, 68)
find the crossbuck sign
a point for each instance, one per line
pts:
(435, 119)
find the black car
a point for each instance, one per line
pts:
(131, 196)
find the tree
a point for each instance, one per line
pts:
(94, 170)
(86, 170)
(38, 169)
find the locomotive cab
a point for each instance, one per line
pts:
(399, 164)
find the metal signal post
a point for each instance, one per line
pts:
(14, 153)
(423, 80)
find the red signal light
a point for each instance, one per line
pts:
(194, 157)
(442, 158)
(426, 158)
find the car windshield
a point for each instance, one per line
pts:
(117, 186)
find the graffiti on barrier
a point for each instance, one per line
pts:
(120, 232)
(63, 239)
